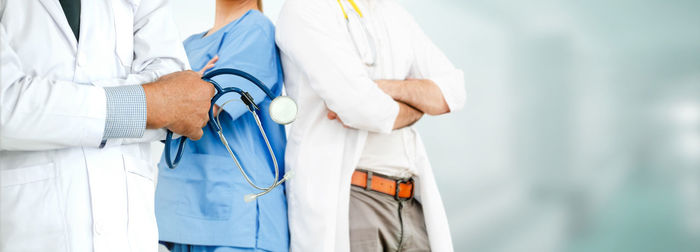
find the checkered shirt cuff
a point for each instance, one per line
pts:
(126, 112)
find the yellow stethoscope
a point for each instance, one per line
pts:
(370, 59)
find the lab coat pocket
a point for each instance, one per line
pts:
(30, 210)
(124, 33)
(141, 197)
(24, 175)
(140, 167)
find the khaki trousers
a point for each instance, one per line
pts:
(378, 222)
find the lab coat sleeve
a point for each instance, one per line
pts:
(38, 113)
(252, 51)
(431, 63)
(314, 36)
(157, 51)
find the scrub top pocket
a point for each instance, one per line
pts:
(205, 187)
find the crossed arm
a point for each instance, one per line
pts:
(415, 98)
(422, 94)
(344, 84)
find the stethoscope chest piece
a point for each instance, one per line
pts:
(283, 110)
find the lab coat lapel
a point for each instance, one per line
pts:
(54, 9)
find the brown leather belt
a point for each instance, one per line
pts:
(400, 189)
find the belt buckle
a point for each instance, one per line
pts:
(402, 181)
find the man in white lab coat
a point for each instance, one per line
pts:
(79, 85)
(361, 82)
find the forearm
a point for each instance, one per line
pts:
(407, 116)
(422, 94)
(43, 114)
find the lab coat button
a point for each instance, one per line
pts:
(99, 228)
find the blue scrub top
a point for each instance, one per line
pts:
(201, 201)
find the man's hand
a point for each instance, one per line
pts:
(333, 116)
(408, 115)
(421, 94)
(180, 102)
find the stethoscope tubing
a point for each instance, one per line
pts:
(215, 124)
(219, 93)
(368, 36)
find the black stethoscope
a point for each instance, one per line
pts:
(282, 110)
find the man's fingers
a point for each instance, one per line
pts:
(205, 92)
(209, 87)
(204, 122)
(196, 135)
(216, 110)
(333, 116)
(192, 130)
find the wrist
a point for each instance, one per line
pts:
(392, 88)
(398, 89)
(155, 118)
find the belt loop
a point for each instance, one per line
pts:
(368, 187)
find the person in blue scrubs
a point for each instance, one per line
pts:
(199, 204)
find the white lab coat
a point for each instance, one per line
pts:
(323, 70)
(60, 192)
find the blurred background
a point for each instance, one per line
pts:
(582, 127)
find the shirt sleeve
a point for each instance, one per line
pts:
(252, 51)
(431, 63)
(126, 112)
(314, 37)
